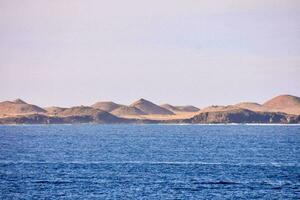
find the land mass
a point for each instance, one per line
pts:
(283, 109)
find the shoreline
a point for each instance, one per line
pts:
(158, 124)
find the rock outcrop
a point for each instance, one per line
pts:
(239, 115)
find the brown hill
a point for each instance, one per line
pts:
(188, 108)
(107, 106)
(18, 107)
(88, 114)
(127, 110)
(252, 106)
(54, 110)
(216, 108)
(244, 105)
(177, 109)
(19, 101)
(150, 108)
(170, 108)
(284, 103)
(79, 110)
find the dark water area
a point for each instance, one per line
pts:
(149, 162)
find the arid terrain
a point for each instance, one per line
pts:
(280, 109)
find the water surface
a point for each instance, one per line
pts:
(149, 162)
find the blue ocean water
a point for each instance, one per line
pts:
(149, 162)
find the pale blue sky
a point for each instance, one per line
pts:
(66, 53)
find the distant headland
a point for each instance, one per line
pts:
(283, 109)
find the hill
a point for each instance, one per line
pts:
(216, 108)
(54, 110)
(79, 110)
(284, 103)
(281, 109)
(127, 110)
(178, 109)
(18, 107)
(150, 108)
(170, 108)
(188, 108)
(87, 114)
(107, 106)
(252, 106)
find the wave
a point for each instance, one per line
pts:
(219, 183)
(156, 163)
(51, 182)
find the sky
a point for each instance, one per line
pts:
(209, 52)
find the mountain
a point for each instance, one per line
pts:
(18, 107)
(178, 109)
(107, 106)
(150, 108)
(284, 103)
(127, 110)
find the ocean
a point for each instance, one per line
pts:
(150, 162)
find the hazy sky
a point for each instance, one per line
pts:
(66, 53)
